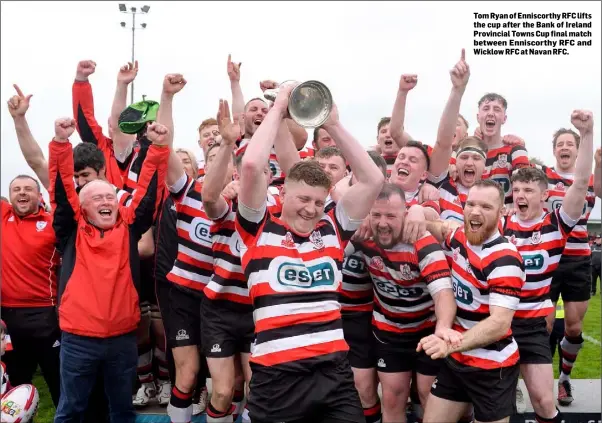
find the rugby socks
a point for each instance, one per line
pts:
(161, 364)
(216, 416)
(570, 346)
(373, 414)
(179, 409)
(556, 419)
(238, 400)
(144, 368)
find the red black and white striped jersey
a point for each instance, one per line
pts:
(194, 264)
(294, 283)
(540, 242)
(412, 200)
(306, 152)
(277, 173)
(228, 283)
(487, 275)
(452, 197)
(501, 162)
(356, 291)
(577, 246)
(201, 174)
(405, 279)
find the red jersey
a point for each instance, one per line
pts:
(500, 164)
(356, 293)
(487, 275)
(29, 259)
(452, 197)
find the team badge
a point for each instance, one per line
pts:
(513, 239)
(288, 241)
(457, 201)
(40, 225)
(377, 263)
(536, 237)
(316, 239)
(560, 186)
(456, 253)
(406, 272)
(502, 160)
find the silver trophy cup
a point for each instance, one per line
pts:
(309, 105)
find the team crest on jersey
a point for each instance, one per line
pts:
(513, 239)
(406, 272)
(560, 186)
(316, 239)
(502, 160)
(456, 253)
(288, 241)
(377, 263)
(40, 225)
(457, 201)
(536, 237)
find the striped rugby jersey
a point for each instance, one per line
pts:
(540, 242)
(487, 275)
(228, 283)
(405, 279)
(194, 263)
(452, 197)
(277, 173)
(294, 283)
(577, 246)
(356, 293)
(501, 162)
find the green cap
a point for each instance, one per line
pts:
(136, 115)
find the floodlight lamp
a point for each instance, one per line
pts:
(122, 7)
(145, 9)
(123, 24)
(143, 25)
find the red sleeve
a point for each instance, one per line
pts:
(83, 112)
(144, 206)
(5, 207)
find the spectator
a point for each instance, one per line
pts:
(596, 265)
(98, 298)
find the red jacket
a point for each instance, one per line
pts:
(29, 259)
(99, 281)
(90, 131)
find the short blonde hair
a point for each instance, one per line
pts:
(191, 157)
(207, 122)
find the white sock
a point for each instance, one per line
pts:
(563, 378)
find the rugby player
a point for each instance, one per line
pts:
(413, 299)
(572, 279)
(540, 238)
(487, 276)
(292, 265)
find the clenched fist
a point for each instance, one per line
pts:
(407, 82)
(18, 104)
(583, 120)
(157, 134)
(268, 85)
(63, 128)
(173, 83)
(85, 68)
(127, 73)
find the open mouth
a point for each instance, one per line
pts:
(388, 143)
(105, 212)
(490, 123)
(522, 206)
(402, 172)
(23, 201)
(565, 156)
(257, 122)
(475, 225)
(469, 173)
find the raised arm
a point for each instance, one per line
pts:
(83, 106)
(396, 126)
(172, 84)
(253, 178)
(286, 150)
(122, 143)
(141, 213)
(238, 100)
(442, 151)
(214, 203)
(598, 173)
(575, 196)
(17, 107)
(369, 177)
(63, 198)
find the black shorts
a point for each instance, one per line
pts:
(572, 280)
(357, 328)
(226, 332)
(147, 281)
(533, 340)
(181, 313)
(393, 359)
(491, 392)
(327, 394)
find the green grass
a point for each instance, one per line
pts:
(587, 367)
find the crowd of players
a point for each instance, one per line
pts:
(297, 278)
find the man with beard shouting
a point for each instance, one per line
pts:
(487, 276)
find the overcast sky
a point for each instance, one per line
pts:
(358, 49)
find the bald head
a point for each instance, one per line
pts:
(95, 186)
(99, 203)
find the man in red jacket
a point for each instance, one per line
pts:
(99, 282)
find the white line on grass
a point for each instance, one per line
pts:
(592, 340)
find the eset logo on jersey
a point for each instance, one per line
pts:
(306, 277)
(393, 290)
(533, 262)
(462, 292)
(353, 264)
(199, 231)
